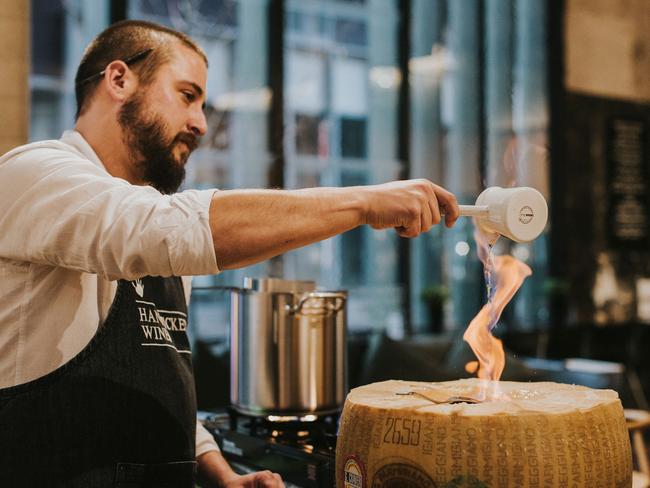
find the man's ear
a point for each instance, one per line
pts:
(120, 81)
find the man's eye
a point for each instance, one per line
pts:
(189, 96)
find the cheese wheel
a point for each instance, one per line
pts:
(546, 435)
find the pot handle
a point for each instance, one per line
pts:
(333, 308)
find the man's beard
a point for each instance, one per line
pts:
(151, 152)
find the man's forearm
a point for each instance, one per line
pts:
(252, 225)
(214, 470)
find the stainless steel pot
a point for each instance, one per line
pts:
(288, 349)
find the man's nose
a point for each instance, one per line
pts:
(198, 125)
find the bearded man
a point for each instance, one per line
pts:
(94, 241)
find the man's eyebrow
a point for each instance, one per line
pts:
(198, 89)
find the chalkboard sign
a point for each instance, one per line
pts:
(628, 182)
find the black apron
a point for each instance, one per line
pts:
(122, 413)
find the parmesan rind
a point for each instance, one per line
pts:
(522, 435)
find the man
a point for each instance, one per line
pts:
(96, 386)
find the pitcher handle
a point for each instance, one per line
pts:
(331, 308)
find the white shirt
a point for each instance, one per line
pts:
(68, 231)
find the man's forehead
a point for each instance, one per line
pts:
(188, 65)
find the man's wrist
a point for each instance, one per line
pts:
(214, 470)
(358, 200)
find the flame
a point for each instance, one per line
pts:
(504, 276)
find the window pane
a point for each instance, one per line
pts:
(353, 242)
(530, 126)
(342, 83)
(353, 138)
(307, 134)
(351, 32)
(153, 7)
(47, 37)
(234, 152)
(478, 119)
(60, 32)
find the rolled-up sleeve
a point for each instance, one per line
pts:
(204, 440)
(63, 210)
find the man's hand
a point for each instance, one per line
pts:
(261, 479)
(411, 206)
(214, 471)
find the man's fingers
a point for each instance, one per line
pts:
(447, 202)
(434, 207)
(410, 207)
(409, 232)
(267, 479)
(277, 480)
(428, 219)
(403, 231)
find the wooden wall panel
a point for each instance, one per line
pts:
(607, 48)
(15, 60)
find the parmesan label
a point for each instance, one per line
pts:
(354, 474)
(544, 435)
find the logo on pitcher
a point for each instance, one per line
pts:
(526, 215)
(139, 287)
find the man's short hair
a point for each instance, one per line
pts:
(122, 41)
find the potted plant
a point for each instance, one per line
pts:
(435, 297)
(557, 294)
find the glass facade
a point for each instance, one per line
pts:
(479, 118)
(342, 76)
(60, 32)
(475, 115)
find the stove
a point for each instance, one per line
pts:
(301, 450)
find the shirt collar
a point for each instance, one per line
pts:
(76, 141)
